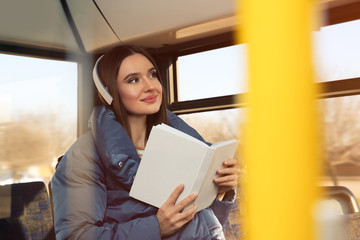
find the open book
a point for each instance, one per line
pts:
(171, 158)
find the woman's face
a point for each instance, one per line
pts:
(138, 85)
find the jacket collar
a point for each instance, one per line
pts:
(111, 137)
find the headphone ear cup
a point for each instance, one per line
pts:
(99, 84)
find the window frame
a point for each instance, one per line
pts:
(40, 52)
(170, 54)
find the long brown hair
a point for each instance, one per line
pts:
(108, 69)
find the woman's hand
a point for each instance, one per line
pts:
(228, 177)
(171, 217)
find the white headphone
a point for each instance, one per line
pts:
(100, 86)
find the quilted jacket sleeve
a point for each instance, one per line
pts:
(79, 197)
(223, 208)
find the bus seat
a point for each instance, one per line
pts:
(339, 214)
(51, 201)
(25, 212)
(343, 196)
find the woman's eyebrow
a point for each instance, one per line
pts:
(131, 75)
(136, 73)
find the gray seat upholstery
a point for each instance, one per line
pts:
(25, 212)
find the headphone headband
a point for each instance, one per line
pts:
(99, 84)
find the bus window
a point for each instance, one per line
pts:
(38, 116)
(336, 53)
(213, 73)
(341, 134)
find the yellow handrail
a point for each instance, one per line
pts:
(281, 143)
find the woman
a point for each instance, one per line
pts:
(92, 182)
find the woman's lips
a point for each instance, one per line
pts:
(150, 99)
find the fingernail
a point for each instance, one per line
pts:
(219, 171)
(195, 194)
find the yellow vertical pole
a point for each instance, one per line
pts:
(280, 137)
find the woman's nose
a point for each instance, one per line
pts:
(148, 84)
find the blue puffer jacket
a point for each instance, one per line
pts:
(91, 189)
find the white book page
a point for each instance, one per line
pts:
(209, 190)
(168, 161)
(179, 133)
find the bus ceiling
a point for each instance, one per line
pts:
(90, 26)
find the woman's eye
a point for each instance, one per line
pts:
(153, 74)
(132, 80)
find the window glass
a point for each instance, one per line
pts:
(337, 51)
(216, 126)
(212, 73)
(38, 105)
(341, 134)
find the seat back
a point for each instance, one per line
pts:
(338, 214)
(25, 212)
(343, 196)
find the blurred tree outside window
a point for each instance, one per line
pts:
(340, 133)
(216, 126)
(38, 114)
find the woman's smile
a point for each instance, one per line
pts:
(150, 99)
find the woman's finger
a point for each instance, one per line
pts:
(230, 162)
(230, 184)
(226, 178)
(185, 202)
(227, 171)
(187, 215)
(174, 195)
